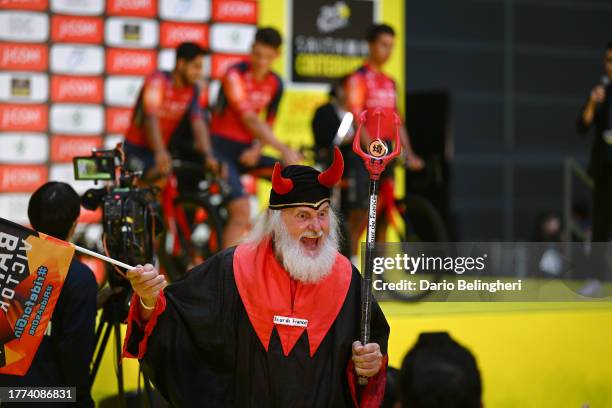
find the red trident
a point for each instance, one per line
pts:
(375, 161)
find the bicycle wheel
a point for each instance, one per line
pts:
(199, 235)
(420, 222)
(423, 222)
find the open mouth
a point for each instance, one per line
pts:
(310, 243)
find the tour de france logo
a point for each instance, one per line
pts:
(377, 148)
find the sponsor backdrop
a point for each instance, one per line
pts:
(328, 39)
(70, 70)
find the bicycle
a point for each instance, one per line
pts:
(193, 224)
(194, 216)
(375, 160)
(413, 219)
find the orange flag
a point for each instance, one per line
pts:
(33, 267)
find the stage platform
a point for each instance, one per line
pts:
(531, 355)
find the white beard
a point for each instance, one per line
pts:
(301, 265)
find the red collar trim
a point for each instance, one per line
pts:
(265, 290)
(369, 67)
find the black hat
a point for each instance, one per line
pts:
(297, 186)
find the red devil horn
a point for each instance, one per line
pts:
(332, 175)
(280, 184)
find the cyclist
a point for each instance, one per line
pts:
(237, 130)
(366, 89)
(167, 105)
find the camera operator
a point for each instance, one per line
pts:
(597, 112)
(66, 350)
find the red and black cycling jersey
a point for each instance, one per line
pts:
(367, 89)
(160, 97)
(240, 94)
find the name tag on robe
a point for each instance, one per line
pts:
(290, 321)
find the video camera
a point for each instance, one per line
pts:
(129, 213)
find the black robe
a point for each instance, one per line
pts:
(203, 351)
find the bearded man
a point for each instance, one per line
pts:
(269, 323)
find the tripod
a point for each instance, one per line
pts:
(129, 229)
(113, 313)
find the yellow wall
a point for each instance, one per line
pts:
(298, 106)
(530, 355)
